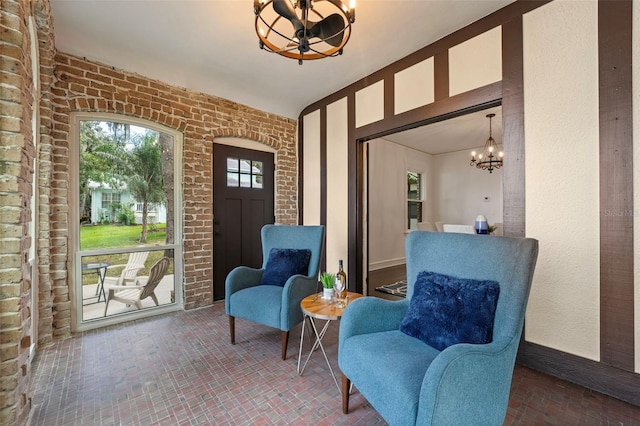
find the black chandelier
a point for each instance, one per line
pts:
(490, 158)
(311, 29)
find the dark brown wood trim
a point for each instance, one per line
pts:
(470, 101)
(511, 11)
(323, 177)
(300, 171)
(441, 76)
(595, 375)
(616, 184)
(354, 189)
(513, 178)
(389, 96)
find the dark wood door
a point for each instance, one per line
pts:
(242, 203)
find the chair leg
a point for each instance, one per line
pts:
(232, 329)
(346, 384)
(285, 341)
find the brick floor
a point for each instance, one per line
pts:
(180, 369)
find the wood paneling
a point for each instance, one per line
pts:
(616, 184)
(591, 374)
(513, 177)
(441, 76)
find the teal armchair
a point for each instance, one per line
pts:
(410, 382)
(277, 305)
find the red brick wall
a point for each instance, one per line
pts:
(17, 152)
(82, 85)
(69, 84)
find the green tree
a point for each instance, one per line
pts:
(144, 178)
(97, 153)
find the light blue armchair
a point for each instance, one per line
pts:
(276, 306)
(412, 383)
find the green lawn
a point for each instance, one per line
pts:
(116, 236)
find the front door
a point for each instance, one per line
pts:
(242, 203)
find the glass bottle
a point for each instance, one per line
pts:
(342, 276)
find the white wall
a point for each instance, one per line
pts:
(460, 190)
(337, 186)
(562, 180)
(311, 169)
(388, 164)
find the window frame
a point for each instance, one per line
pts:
(420, 200)
(77, 323)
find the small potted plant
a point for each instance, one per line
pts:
(327, 279)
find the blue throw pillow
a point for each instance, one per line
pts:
(446, 310)
(284, 263)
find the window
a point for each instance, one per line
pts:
(110, 198)
(127, 180)
(414, 199)
(244, 173)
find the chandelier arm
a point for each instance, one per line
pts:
(487, 160)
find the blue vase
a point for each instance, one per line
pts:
(481, 225)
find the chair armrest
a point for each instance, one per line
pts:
(132, 267)
(477, 375)
(295, 289)
(117, 266)
(371, 315)
(112, 289)
(240, 278)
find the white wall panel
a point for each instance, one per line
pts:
(636, 173)
(370, 104)
(476, 62)
(414, 86)
(562, 179)
(337, 185)
(311, 169)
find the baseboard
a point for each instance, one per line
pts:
(374, 266)
(612, 381)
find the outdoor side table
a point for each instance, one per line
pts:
(315, 308)
(99, 269)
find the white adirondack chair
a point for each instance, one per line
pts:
(129, 270)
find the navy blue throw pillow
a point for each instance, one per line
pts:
(284, 263)
(446, 310)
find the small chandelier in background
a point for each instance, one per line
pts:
(490, 158)
(311, 29)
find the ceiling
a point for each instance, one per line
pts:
(211, 46)
(466, 132)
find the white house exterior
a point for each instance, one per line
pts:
(103, 195)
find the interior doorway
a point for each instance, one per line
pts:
(243, 201)
(420, 179)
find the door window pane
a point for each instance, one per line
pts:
(244, 173)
